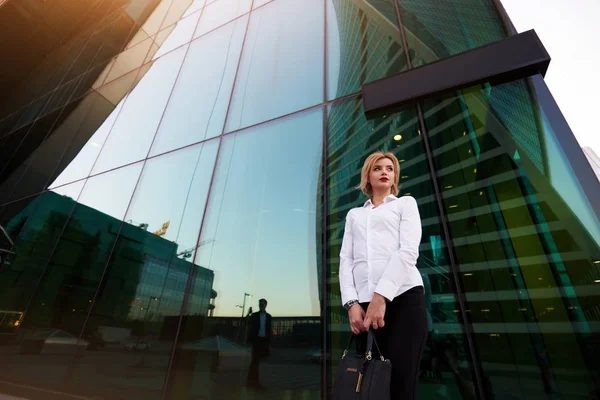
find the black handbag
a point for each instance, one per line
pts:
(363, 377)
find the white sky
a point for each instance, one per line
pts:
(569, 33)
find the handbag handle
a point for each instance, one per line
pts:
(370, 340)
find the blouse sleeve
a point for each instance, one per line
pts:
(406, 256)
(347, 287)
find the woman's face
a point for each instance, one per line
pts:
(382, 176)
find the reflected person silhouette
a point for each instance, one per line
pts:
(259, 336)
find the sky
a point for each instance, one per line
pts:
(569, 31)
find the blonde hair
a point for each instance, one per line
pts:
(365, 186)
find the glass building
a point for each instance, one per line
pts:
(165, 164)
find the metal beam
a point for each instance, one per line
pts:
(513, 58)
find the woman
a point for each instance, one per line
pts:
(380, 284)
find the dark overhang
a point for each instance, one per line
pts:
(515, 57)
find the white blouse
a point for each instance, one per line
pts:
(380, 250)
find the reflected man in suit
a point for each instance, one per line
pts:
(259, 336)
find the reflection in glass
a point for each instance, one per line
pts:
(176, 12)
(131, 59)
(363, 44)
(155, 21)
(219, 13)
(31, 230)
(261, 244)
(281, 70)
(132, 133)
(179, 35)
(258, 3)
(195, 6)
(199, 101)
(146, 277)
(351, 138)
(38, 170)
(524, 241)
(61, 250)
(82, 164)
(437, 29)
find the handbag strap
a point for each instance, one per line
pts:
(370, 341)
(348, 346)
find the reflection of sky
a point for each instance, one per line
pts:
(334, 51)
(566, 184)
(281, 69)
(219, 13)
(198, 103)
(132, 133)
(262, 217)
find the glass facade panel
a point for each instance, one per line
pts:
(145, 279)
(33, 176)
(61, 251)
(81, 166)
(198, 104)
(176, 11)
(351, 138)
(154, 23)
(202, 155)
(195, 6)
(131, 135)
(131, 59)
(363, 44)
(260, 245)
(281, 70)
(437, 29)
(258, 3)
(178, 35)
(219, 13)
(524, 254)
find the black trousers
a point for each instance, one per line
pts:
(260, 350)
(402, 340)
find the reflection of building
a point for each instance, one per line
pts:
(50, 83)
(145, 272)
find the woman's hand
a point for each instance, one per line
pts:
(356, 314)
(375, 313)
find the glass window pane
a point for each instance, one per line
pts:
(82, 164)
(131, 136)
(195, 6)
(219, 13)
(179, 35)
(131, 59)
(199, 101)
(259, 245)
(363, 44)
(281, 70)
(525, 240)
(176, 12)
(25, 225)
(42, 166)
(154, 22)
(258, 3)
(439, 29)
(350, 139)
(145, 281)
(63, 243)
